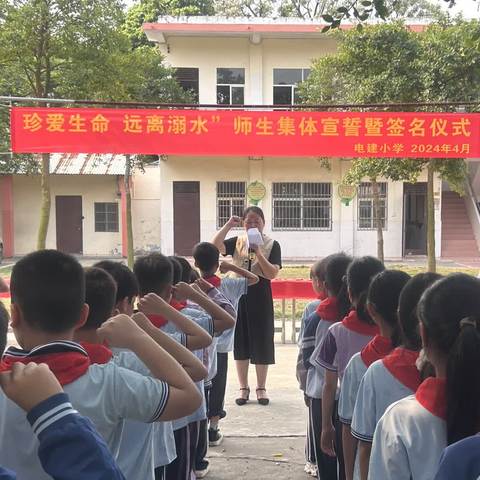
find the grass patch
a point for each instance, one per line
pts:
(6, 271)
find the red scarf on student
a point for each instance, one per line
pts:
(98, 353)
(67, 360)
(353, 323)
(432, 395)
(328, 309)
(376, 349)
(401, 363)
(214, 280)
(160, 321)
(322, 296)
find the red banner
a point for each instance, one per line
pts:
(241, 132)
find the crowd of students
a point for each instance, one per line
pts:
(122, 374)
(118, 374)
(388, 367)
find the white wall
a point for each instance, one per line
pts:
(92, 188)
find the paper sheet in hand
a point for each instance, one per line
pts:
(254, 237)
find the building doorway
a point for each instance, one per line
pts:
(186, 216)
(69, 224)
(415, 218)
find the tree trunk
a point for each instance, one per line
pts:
(45, 204)
(377, 219)
(128, 196)
(432, 266)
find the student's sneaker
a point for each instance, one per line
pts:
(202, 469)
(215, 438)
(311, 469)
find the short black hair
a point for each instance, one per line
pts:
(49, 288)
(177, 269)
(253, 209)
(101, 293)
(4, 319)
(206, 256)
(186, 269)
(127, 284)
(154, 273)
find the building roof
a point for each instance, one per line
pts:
(244, 27)
(86, 164)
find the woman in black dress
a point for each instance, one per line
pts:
(254, 332)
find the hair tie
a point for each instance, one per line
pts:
(468, 321)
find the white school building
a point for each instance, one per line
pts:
(181, 200)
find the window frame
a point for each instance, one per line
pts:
(302, 199)
(110, 227)
(230, 86)
(230, 197)
(364, 198)
(293, 87)
(196, 92)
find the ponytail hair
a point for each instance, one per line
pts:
(359, 275)
(450, 313)
(335, 282)
(408, 322)
(383, 294)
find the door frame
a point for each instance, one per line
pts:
(57, 197)
(404, 218)
(198, 225)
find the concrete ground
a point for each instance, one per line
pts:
(263, 442)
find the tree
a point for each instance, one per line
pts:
(370, 66)
(149, 10)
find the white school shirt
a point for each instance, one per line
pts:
(309, 309)
(144, 446)
(408, 442)
(378, 390)
(316, 373)
(233, 289)
(107, 394)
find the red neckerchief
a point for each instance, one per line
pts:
(377, 348)
(67, 360)
(353, 323)
(98, 353)
(432, 395)
(328, 309)
(322, 296)
(401, 363)
(214, 280)
(157, 320)
(177, 305)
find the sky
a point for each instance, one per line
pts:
(469, 8)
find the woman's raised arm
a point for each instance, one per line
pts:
(219, 237)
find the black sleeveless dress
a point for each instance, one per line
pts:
(255, 330)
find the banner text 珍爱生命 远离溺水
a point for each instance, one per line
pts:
(242, 133)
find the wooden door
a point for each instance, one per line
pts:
(69, 224)
(415, 218)
(186, 216)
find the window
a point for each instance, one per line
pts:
(231, 200)
(366, 220)
(302, 206)
(230, 86)
(106, 217)
(285, 83)
(188, 80)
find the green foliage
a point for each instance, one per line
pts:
(146, 11)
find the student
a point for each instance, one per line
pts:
(341, 342)
(206, 256)
(317, 277)
(155, 274)
(4, 319)
(333, 309)
(382, 306)
(69, 446)
(137, 449)
(413, 432)
(461, 460)
(187, 270)
(394, 377)
(48, 305)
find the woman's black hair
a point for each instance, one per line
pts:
(408, 322)
(450, 313)
(359, 275)
(383, 295)
(256, 210)
(335, 282)
(177, 270)
(320, 267)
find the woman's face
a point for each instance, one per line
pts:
(252, 220)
